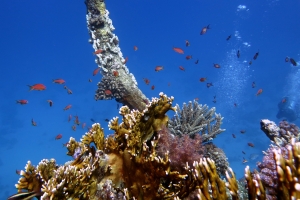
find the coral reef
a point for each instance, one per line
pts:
(281, 135)
(193, 119)
(116, 82)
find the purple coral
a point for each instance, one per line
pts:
(181, 150)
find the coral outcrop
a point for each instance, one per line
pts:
(196, 118)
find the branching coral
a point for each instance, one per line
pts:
(195, 118)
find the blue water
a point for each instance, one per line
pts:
(44, 40)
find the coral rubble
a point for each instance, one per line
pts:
(116, 82)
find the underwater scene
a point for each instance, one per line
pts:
(148, 99)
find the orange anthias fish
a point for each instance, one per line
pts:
(283, 100)
(203, 79)
(59, 136)
(250, 144)
(37, 86)
(70, 117)
(33, 123)
(259, 92)
(204, 30)
(147, 81)
(158, 68)
(178, 50)
(181, 68)
(108, 92)
(50, 102)
(98, 51)
(95, 72)
(217, 65)
(188, 57)
(135, 48)
(83, 125)
(22, 101)
(152, 87)
(59, 81)
(68, 107)
(116, 73)
(74, 127)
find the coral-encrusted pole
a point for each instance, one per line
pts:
(116, 82)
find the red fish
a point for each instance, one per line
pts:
(98, 51)
(203, 79)
(135, 48)
(70, 117)
(83, 125)
(217, 65)
(33, 123)
(37, 86)
(196, 99)
(152, 87)
(68, 107)
(244, 160)
(125, 61)
(95, 72)
(59, 81)
(250, 144)
(187, 43)
(108, 92)
(178, 50)
(204, 30)
(259, 92)
(181, 68)
(74, 127)
(22, 101)
(69, 91)
(188, 57)
(283, 100)
(50, 103)
(76, 121)
(59, 136)
(147, 81)
(158, 68)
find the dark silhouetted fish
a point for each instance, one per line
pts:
(294, 63)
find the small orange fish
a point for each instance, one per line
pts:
(217, 65)
(196, 99)
(188, 57)
(244, 160)
(158, 68)
(116, 73)
(76, 121)
(70, 117)
(283, 100)
(108, 92)
(59, 136)
(187, 43)
(68, 107)
(250, 144)
(74, 127)
(178, 50)
(95, 72)
(98, 51)
(233, 135)
(33, 123)
(181, 68)
(37, 86)
(242, 131)
(50, 102)
(152, 87)
(59, 81)
(147, 81)
(259, 92)
(135, 48)
(125, 61)
(22, 101)
(83, 125)
(204, 30)
(65, 87)
(203, 79)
